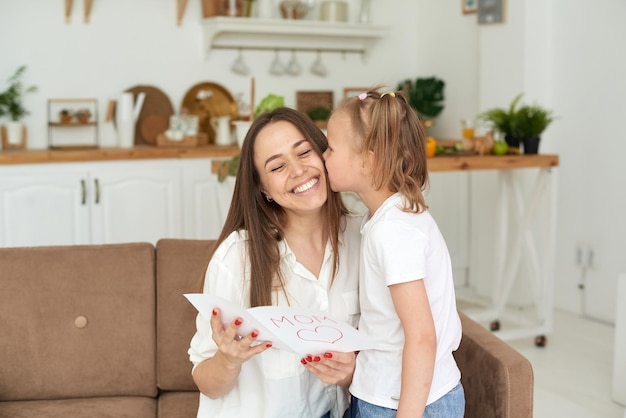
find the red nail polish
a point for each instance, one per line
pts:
(254, 334)
(238, 321)
(309, 359)
(328, 355)
(316, 358)
(214, 312)
(268, 345)
(303, 361)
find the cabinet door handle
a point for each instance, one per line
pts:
(97, 184)
(83, 188)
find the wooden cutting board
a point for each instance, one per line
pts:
(154, 117)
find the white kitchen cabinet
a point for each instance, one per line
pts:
(135, 201)
(42, 206)
(90, 203)
(206, 200)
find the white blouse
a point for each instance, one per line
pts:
(275, 383)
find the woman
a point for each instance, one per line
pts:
(287, 241)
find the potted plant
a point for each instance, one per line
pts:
(11, 105)
(426, 96)
(519, 125)
(320, 116)
(530, 122)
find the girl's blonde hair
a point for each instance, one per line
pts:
(389, 128)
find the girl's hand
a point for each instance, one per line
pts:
(332, 367)
(234, 349)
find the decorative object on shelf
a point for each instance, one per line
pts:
(83, 115)
(469, 6)
(65, 115)
(276, 67)
(239, 65)
(181, 5)
(520, 125)
(223, 132)
(87, 6)
(318, 68)
(293, 9)
(154, 115)
(426, 96)
(490, 11)
(207, 100)
(70, 124)
(127, 111)
(364, 13)
(11, 105)
(334, 11)
(293, 66)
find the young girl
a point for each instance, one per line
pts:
(377, 149)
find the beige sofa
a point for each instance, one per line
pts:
(103, 331)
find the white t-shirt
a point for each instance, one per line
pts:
(275, 383)
(399, 247)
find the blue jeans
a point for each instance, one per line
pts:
(450, 405)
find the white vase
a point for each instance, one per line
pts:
(14, 132)
(265, 9)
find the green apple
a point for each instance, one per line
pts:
(500, 148)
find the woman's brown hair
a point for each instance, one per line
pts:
(264, 221)
(387, 126)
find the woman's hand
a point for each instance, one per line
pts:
(232, 348)
(332, 367)
(216, 376)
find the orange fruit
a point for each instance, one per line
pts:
(431, 146)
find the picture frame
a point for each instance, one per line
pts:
(354, 91)
(490, 11)
(469, 6)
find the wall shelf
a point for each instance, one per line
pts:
(251, 33)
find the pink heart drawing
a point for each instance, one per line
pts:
(322, 334)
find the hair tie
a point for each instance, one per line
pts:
(362, 96)
(391, 93)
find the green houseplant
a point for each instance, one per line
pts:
(426, 96)
(523, 124)
(11, 105)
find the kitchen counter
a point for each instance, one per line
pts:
(438, 163)
(114, 154)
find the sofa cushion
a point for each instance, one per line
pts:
(497, 380)
(181, 265)
(77, 321)
(113, 407)
(178, 404)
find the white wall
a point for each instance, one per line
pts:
(567, 56)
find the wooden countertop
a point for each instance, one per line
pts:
(491, 162)
(435, 164)
(112, 154)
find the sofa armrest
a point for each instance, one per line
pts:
(498, 380)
